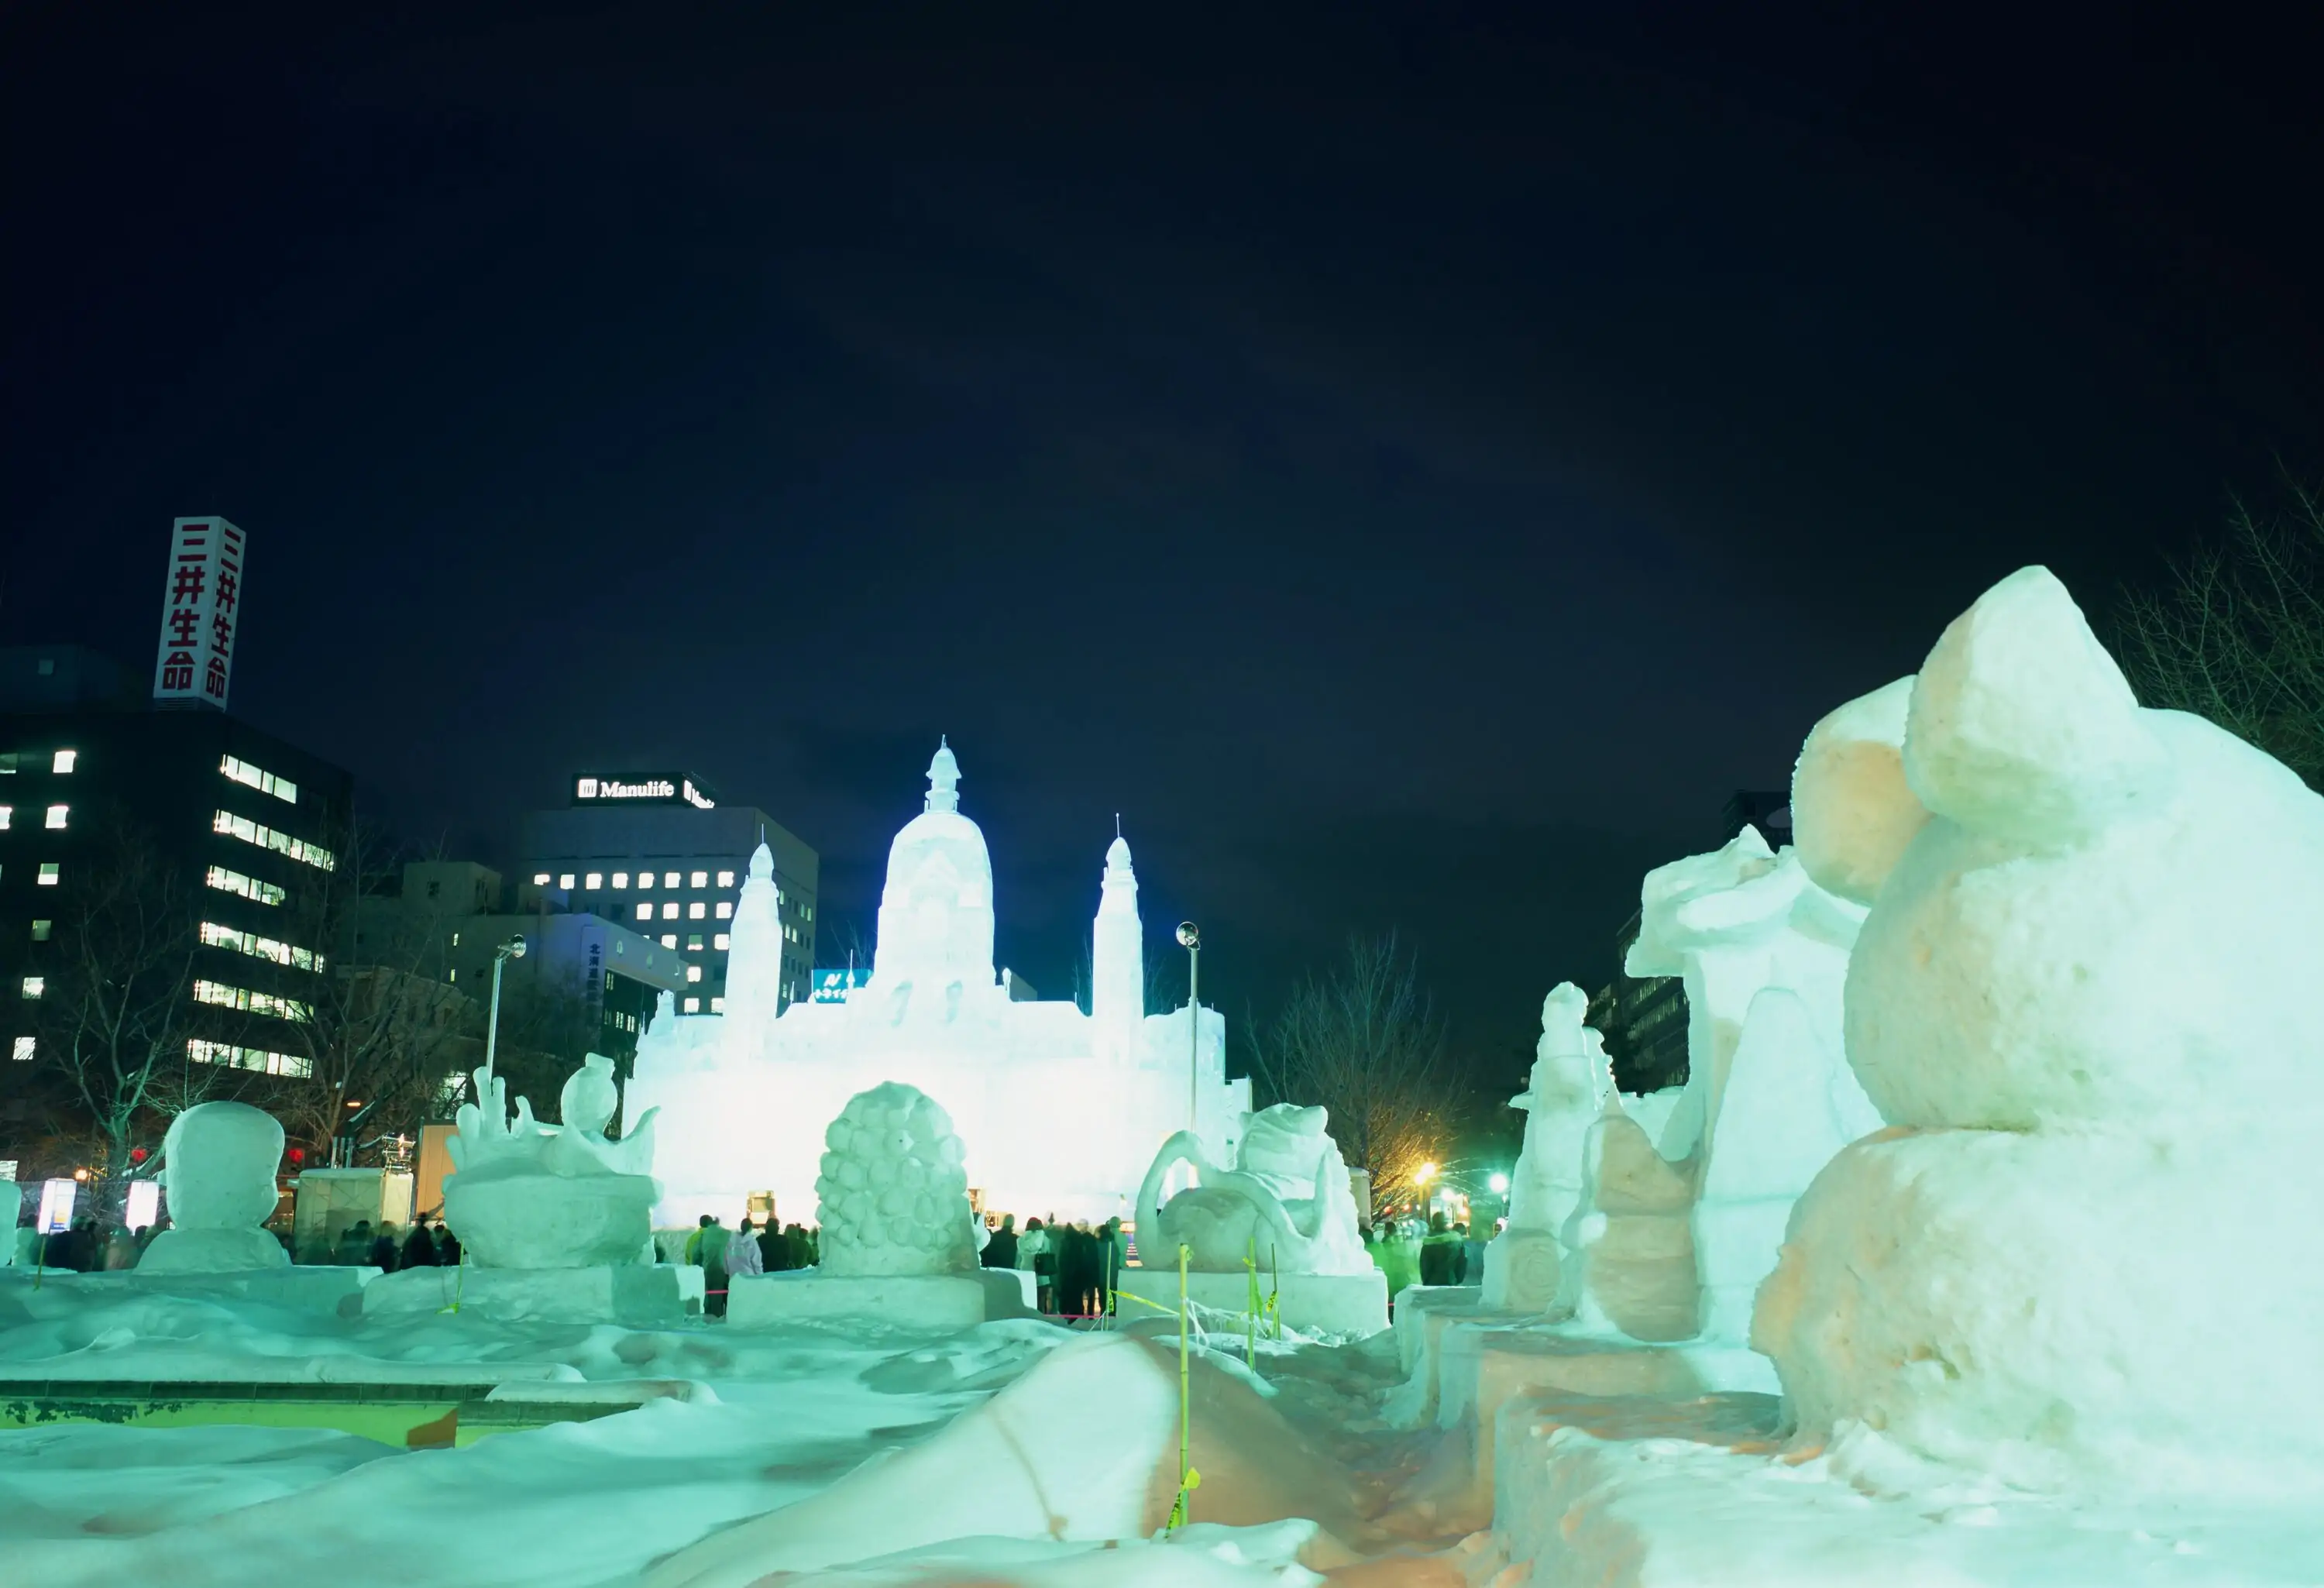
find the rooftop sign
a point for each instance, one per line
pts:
(641, 789)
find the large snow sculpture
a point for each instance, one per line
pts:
(1568, 1089)
(894, 1195)
(1286, 1200)
(1762, 951)
(2085, 996)
(1057, 1109)
(527, 1195)
(219, 1162)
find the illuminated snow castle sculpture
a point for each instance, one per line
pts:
(2088, 1254)
(1059, 1109)
(218, 1164)
(1286, 1209)
(556, 1221)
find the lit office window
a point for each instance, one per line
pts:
(719, 942)
(265, 838)
(265, 782)
(669, 940)
(701, 879)
(34, 986)
(5, 812)
(48, 877)
(250, 888)
(41, 930)
(541, 879)
(247, 1058)
(694, 973)
(669, 911)
(717, 1004)
(565, 880)
(621, 879)
(694, 943)
(696, 910)
(806, 912)
(694, 1006)
(25, 1047)
(596, 880)
(726, 879)
(64, 761)
(645, 912)
(56, 814)
(226, 997)
(670, 879)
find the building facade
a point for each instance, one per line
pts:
(656, 853)
(239, 828)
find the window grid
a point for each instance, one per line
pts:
(250, 832)
(265, 782)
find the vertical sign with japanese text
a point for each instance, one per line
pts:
(201, 609)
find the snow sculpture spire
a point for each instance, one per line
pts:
(1117, 958)
(754, 958)
(944, 777)
(936, 911)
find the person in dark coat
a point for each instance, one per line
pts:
(774, 1249)
(1000, 1251)
(1443, 1258)
(1109, 1265)
(355, 1244)
(382, 1249)
(448, 1246)
(418, 1249)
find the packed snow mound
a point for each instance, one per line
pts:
(2086, 987)
(892, 1189)
(1082, 1449)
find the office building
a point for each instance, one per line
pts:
(450, 918)
(656, 852)
(241, 828)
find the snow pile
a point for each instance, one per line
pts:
(218, 1166)
(893, 1193)
(1082, 1449)
(2085, 1257)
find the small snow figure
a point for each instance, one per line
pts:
(893, 1191)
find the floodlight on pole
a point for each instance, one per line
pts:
(512, 949)
(1190, 939)
(1500, 1185)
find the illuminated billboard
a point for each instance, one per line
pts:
(642, 788)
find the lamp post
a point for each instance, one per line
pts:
(1190, 939)
(512, 949)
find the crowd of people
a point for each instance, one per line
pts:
(427, 1245)
(1076, 1268)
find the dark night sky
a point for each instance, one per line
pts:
(1414, 470)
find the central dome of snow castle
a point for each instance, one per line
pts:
(935, 913)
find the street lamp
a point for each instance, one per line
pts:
(1190, 939)
(1500, 1185)
(512, 949)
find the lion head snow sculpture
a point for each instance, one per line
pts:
(2084, 999)
(893, 1190)
(1287, 1200)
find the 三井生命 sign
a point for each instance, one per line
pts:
(201, 609)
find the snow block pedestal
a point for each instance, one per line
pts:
(637, 1295)
(1330, 1304)
(310, 1289)
(932, 1302)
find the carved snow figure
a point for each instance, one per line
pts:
(893, 1193)
(527, 1195)
(1287, 1198)
(219, 1160)
(1569, 1087)
(2088, 1253)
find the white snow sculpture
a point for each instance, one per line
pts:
(2085, 997)
(219, 1162)
(1568, 1088)
(527, 1195)
(1059, 1109)
(893, 1193)
(1762, 951)
(1286, 1199)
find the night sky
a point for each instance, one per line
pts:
(1413, 470)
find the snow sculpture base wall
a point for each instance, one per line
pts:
(927, 1303)
(542, 1224)
(1330, 1304)
(634, 1295)
(212, 1251)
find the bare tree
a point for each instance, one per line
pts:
(1366, 1043)
(116, 1006)
(2238, 636)
(382, 1027)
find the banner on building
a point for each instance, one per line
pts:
(201, 609)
